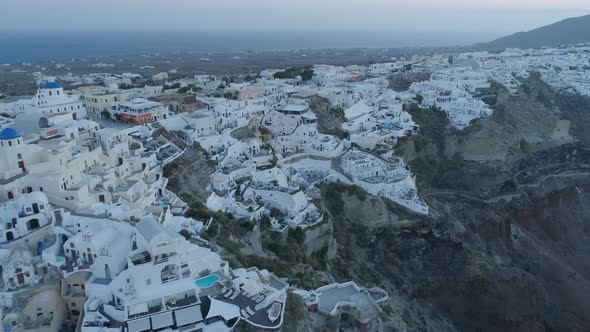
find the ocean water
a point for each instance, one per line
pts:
(34, 46)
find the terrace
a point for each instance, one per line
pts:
(266, 317)
(180, 300)
(141, 258)
(144, 309)
(331, 297)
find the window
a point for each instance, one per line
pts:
(148, 282)
(71, 244)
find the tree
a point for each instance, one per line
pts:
(184, 89)
(106, 114)
(211, 231)
(265, 222)
(307, 75)
(276, 213)
(174, 86)
(185, 233)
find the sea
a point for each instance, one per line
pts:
(53, 45)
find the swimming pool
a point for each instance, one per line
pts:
(207, 281)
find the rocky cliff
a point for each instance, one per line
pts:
(505, 248)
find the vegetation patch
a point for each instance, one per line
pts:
(294, 312)
(305, 73)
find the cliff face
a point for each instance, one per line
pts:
(506, 248)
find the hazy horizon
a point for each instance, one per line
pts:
(33, 46)
(490, 17)
(81, 29)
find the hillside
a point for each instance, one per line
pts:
(569, 31)
(504, 250)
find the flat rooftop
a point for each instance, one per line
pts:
(330, 297)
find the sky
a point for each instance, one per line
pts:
(478, 16)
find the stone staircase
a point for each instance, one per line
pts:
(171, 137)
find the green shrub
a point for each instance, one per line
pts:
(185, 233)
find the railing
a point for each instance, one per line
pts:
(37, 323)
(161, 260)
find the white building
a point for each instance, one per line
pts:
(158, 288)
(23, 215)
(18, 268)
(51, 99)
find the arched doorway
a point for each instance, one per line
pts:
(33, 224)
(9, 236)
(107, 271)
(20, 277)
(169, 273)
(44, 122)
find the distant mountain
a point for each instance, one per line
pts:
(569, 31)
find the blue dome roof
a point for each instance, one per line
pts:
(52, 85)
(9, 133)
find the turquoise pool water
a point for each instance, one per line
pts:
(207, 281)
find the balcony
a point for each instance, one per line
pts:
(141, 258)
(181, 300)
(37, 323)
